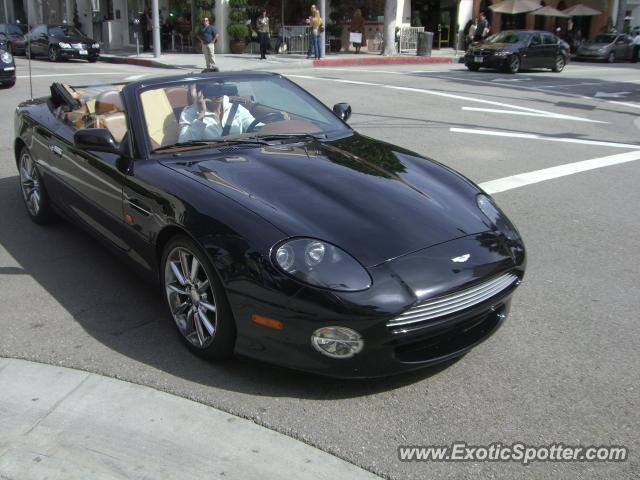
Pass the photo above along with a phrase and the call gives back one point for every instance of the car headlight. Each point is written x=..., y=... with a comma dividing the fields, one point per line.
x=64, y=45
x=337, y=342
x=602, y=50
x=6, y=57
x=497, y=217
x=320, y=264
x=502, y=53
x=95, y=45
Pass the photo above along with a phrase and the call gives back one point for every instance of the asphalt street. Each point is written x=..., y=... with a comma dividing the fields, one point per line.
x=563, y=369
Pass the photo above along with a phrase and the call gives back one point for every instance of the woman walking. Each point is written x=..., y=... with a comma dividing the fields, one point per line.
x=357, y=26
x=317, y=27
x=263, y=34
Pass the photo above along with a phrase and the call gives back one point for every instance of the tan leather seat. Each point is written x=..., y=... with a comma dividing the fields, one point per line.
x=116, y=123
x=109, y=102
x=162, y=125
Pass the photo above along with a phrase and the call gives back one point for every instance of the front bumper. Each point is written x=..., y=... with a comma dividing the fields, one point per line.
x=398, y=286
x=581, y=55
x=488, y=61
x=7, y=73
x=75, y=53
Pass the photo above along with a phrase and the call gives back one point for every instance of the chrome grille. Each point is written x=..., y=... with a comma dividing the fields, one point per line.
x=454, y=302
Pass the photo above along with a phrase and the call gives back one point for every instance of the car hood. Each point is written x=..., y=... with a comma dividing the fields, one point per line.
x=372, y=199
x=74, y=39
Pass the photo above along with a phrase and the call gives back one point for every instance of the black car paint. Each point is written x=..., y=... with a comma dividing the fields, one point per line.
x=230, y=202
x=39, y=42
x=530, y=53
x=7, y=70
x=16, y=39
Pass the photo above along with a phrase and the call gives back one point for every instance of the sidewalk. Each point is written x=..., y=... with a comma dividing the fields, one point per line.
x=61, y=423
x=230, y=62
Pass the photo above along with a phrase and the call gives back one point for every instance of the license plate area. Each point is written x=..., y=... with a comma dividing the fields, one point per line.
x=478, y=59
x=83, y=52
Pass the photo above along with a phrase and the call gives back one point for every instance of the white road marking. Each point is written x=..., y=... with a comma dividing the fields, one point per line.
x=87, y=74
x=570, y=85
x=611, y=95
x=449, y=95
x=533, y=136
x=556, y=116
x=536, y=176
x=627, y=104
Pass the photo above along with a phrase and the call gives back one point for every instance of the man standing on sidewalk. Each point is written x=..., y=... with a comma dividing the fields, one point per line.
x=636, y=48
x=209, y=37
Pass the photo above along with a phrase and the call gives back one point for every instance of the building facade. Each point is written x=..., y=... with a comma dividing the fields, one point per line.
x=114, y=22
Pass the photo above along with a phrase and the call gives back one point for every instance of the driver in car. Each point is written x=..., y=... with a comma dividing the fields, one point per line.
x=212, y=115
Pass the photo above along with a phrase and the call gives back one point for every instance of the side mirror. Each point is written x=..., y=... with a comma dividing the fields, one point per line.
x=97, y=140
x=342, y=111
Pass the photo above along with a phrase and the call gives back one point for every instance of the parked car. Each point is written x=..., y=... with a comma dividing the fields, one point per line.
x=7, y=64
x=16, y=33
x=283, y=235
x=606, y=46
x=62, y=41
x=515, y=50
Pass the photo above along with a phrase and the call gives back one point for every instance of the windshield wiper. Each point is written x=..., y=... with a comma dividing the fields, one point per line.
x=211, y=143
x=285, y=136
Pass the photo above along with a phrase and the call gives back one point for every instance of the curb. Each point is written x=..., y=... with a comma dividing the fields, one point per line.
x=380, y=61
x=142, y=62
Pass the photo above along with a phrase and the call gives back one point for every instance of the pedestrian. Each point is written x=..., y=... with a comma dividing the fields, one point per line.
x=263, y=34
x=357, y=26
x=317, y=27
x=482, y=28
x=145, y=28
x=308, y=21
x=468, y=31
x=636, y=48
x=209, y=37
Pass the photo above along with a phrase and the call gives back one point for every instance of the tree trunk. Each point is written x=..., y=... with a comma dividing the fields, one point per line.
x=622, y=7
x=390, y=10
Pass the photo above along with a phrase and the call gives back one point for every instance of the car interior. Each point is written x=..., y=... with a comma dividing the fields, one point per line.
x=82, y=107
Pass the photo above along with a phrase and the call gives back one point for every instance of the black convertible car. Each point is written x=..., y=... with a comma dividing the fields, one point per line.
x=516, y=50
x=274, y=229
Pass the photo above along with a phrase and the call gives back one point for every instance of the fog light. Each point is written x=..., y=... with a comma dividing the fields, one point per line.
x=337, y=342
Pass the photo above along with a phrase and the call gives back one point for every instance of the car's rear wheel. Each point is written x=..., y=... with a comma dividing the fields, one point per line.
x=473, y=68
x=513, y=64
x=559, y=64
x=611, y=58
x=34, y=194
x=53, y=54
x=196, y=300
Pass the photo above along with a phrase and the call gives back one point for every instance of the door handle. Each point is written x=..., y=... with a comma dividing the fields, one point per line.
x=56, y=150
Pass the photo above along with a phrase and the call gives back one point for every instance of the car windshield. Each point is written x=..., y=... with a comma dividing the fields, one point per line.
x=604, y=39
x=507, y=37
x=64, y=31
x=16, y=29
x=198, y=112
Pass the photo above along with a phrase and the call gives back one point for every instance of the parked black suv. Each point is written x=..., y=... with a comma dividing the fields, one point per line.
x=62, y=41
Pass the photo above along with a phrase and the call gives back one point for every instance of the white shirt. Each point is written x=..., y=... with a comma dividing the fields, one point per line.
x=209, y=128
x=636, y=39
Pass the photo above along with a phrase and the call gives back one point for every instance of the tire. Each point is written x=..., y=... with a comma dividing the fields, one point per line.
x=34, y=195
x=53, y=54
x=199, y=309
x=92, y=59
x=473, y=68
x=9, y=84
x=559, y=64
x=611, y=58
x=513, y=65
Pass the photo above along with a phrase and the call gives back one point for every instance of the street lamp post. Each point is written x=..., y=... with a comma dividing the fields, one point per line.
x=156, y=28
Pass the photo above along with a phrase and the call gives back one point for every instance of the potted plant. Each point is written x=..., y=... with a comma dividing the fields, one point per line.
x=237, y=28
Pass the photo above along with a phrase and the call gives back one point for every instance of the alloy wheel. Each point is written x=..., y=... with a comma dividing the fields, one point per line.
x=53, y=55
x=190, y=297
x=30, y=184
x=611, y=58
x=559, y=65
x=514, y=64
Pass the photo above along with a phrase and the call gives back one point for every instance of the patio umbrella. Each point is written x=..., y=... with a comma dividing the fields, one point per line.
x=580, y=10
x=513, y=7
x=550, y=12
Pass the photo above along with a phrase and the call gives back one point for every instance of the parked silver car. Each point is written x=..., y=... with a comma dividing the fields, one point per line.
x=607, y=46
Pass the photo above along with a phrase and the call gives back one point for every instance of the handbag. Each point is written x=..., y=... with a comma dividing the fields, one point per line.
x=355, y=37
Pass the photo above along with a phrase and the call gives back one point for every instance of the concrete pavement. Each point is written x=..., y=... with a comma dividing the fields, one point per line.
x=57, y=422
x=252, y=61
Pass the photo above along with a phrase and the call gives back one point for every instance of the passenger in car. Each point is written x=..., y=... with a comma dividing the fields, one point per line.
x=212, y=115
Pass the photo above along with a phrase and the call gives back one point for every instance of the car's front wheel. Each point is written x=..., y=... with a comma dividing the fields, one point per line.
x=54, y=56
x=513, y=64
x=559, y=64
x=92, y=59
x=611, y=58
x=34, y=194
x=196, y=300
x=472, y=67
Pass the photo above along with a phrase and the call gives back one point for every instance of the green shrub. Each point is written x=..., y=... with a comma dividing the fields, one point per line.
x=238, y=31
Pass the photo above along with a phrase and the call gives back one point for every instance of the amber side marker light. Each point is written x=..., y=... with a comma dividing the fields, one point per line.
x=267, y=322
